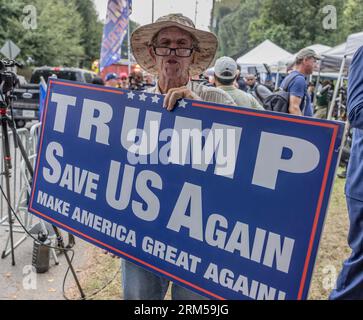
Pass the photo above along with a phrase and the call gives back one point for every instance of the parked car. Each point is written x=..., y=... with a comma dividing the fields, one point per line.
x=26, y=103
x=73, y=74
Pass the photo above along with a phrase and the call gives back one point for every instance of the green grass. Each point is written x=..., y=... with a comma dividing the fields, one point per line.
x=102, y=269
x=333, y=245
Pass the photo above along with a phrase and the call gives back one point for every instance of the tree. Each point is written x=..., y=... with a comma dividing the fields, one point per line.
x=353, y=17
x=10, y=15
x=92, y=29
x=294, y=24
x=57, y=39
x=233, y=28
x=221, y=9
x=290, y=24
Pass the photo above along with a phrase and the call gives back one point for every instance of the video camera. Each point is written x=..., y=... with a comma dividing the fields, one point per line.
x=8, y=79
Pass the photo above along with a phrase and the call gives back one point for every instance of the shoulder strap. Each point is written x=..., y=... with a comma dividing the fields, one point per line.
x=289, y=81
x=257, y=94
x=286, y=86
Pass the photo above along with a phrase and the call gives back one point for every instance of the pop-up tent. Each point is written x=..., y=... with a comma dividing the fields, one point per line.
x=354, y=42
x=266, y=53
x=319, y=48
x=332, y=59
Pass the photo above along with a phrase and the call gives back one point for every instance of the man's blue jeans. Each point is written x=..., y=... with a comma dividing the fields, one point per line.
x=350, y=280
x=140, y=284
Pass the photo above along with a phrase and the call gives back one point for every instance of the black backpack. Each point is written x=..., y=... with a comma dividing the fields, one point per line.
x=259, y=96
x=279, y=101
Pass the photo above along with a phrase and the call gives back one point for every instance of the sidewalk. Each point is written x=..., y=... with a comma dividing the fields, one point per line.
x=17, y=282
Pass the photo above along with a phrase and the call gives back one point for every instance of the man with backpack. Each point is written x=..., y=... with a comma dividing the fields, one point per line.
x=293, y=97
x=299, y=100
x=258, y=90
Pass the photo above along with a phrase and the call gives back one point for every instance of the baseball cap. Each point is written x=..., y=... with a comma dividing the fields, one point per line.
x=225, y=68
x=307, y=53
x=111, y=76
x=124, y=75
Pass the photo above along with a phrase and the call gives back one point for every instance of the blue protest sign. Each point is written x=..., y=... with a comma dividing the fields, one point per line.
x=229, y=202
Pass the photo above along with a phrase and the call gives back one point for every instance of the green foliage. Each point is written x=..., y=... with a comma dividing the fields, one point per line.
x=68, y=32
x=353, y=16
x=91, y=36
x=232, y=32
x=56, y=41
x=290, y=24
x=221, y=9
x=10, y=14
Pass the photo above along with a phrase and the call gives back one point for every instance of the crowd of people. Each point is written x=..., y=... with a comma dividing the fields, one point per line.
x=136, y=80
x=307, y=98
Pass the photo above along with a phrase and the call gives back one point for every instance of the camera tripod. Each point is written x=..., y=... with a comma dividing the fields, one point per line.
x=8, y=122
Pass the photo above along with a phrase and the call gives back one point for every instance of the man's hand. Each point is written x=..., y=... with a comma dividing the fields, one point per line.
x=178, y=93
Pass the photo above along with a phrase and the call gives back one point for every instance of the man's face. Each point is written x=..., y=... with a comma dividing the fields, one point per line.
x=112, y=83
x=124, y=82
x=172, y=66
x=250, y=80
x=309, y=65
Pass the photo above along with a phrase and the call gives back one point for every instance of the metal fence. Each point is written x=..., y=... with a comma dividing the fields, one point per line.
x=19, y=184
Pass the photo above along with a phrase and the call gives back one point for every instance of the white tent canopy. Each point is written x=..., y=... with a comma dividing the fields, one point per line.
x=338, y=50
x=332, y=59
x=354, y=42
x=319, y=48
x=265, y=53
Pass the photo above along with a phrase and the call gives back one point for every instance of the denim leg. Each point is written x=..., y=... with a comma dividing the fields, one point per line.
x=350, y=279
x=181, y=293
x=141, y=284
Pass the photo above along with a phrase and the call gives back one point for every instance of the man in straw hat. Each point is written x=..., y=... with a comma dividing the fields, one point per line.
x=173, y=50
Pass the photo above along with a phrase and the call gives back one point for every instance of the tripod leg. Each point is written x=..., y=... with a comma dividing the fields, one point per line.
x=7, y=167
x=25, y=220
x=56, y=230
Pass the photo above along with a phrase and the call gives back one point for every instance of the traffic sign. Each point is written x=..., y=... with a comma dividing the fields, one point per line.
x=10, y=50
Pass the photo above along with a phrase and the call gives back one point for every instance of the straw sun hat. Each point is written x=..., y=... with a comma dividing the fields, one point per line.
x=204, y=53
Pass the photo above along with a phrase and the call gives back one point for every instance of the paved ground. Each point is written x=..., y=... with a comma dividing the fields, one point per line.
x=18, y=282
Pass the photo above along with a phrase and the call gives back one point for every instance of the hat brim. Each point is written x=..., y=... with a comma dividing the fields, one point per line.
x=204, y=57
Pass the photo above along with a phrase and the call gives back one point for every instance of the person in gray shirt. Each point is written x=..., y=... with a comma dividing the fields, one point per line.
x=225, y=73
